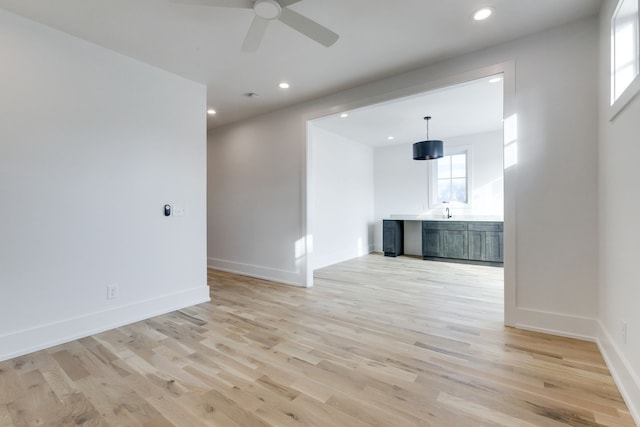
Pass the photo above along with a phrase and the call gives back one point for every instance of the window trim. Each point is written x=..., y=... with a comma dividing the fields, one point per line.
x=433, y=180
x=631, y=91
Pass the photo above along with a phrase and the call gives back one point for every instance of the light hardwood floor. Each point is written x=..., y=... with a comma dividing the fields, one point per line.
x=378, y=341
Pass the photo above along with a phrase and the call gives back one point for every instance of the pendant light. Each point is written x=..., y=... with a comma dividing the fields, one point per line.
x=429, y=149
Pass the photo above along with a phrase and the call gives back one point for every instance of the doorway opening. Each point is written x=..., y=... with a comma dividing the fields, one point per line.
x=360, y=170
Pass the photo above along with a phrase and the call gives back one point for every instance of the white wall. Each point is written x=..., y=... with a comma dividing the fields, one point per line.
x=92, y=145
x=556, y=173
x=341, y=182
x=255, y=194
x=619, y=209
x=556, y=208
x=402, y=184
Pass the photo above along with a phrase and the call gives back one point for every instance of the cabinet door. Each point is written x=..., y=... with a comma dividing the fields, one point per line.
x=431, y=242
x=392, y=238
x=477, y=242
x=494, y=247
x=389, y=239
x=456, y=244
x=486, y=246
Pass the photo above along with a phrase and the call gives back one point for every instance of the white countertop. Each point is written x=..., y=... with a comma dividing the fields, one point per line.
x=488, y=218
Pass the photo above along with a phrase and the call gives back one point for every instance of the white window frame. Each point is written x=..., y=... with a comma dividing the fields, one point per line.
x=433, y=180
x=617, y=104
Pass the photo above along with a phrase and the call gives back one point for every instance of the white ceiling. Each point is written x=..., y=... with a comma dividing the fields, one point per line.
x=464, y=109
x=377, y=39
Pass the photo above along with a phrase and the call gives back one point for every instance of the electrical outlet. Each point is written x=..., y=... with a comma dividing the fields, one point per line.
x=112, y=291
x=623, y=331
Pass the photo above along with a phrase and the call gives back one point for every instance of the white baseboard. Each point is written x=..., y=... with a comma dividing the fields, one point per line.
x=582, y=328
x=626, y=378
x=293, y=278
x=26, y=341
x=593, y=330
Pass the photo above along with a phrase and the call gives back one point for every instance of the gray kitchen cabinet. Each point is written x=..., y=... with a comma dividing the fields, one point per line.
x=480, y=241
x=393, y=237
x=432, y=245
x=486, y=241
x=473, y=242
x=445, y=239
x=494, y=247
x=456, y=244
x=477, y=244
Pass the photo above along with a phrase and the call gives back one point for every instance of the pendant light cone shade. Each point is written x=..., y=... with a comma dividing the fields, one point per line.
x=429, y=149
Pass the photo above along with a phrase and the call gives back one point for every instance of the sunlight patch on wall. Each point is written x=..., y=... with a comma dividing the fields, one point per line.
x=511, y=141
x=300, y=247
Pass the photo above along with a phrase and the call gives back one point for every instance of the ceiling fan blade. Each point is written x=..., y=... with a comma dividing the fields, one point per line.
x=239, y=4
x=285, y=3
x=255, y=34
x=309, y=28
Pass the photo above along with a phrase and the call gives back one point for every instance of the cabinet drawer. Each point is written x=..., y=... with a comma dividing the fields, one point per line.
x=486, y=226
x=444, y=225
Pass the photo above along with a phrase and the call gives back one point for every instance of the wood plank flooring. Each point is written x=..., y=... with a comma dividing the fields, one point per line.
x=378, y=341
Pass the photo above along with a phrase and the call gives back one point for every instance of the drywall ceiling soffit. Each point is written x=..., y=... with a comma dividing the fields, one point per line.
x=377, y=39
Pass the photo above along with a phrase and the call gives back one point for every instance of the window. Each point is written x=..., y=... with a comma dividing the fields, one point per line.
x=624, y=47
x=450, y=179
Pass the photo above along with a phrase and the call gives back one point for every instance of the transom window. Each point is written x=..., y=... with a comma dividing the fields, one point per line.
x=451, y=179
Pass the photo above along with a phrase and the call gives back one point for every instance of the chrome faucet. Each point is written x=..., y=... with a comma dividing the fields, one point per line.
x=448, y=213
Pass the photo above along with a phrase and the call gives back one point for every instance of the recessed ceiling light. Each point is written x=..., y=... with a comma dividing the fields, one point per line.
x=211, y=111
x=390, y=138
x=495, y=80
x=482, y=14
x=343, y=115
x=284, y=85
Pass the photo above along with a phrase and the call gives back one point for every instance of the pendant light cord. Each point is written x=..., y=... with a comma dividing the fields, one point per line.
x=427, y=119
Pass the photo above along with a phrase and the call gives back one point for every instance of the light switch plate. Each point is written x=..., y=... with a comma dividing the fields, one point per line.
x=179, y=210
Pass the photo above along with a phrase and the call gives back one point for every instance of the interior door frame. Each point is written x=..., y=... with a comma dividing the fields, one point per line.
x=507, y=70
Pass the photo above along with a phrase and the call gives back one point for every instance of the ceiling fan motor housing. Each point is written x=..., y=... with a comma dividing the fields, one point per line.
x=267, y=9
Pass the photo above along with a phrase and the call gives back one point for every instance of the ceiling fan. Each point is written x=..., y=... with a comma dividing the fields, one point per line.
x=268, y=10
